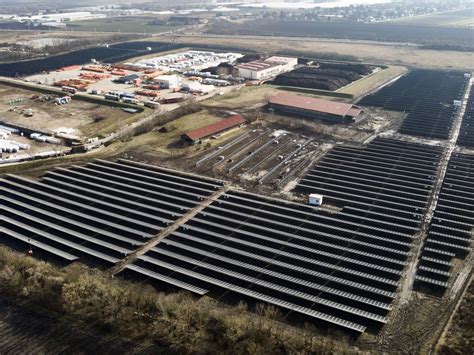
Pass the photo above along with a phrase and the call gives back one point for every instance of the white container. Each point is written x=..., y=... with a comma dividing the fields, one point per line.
x=315, y=199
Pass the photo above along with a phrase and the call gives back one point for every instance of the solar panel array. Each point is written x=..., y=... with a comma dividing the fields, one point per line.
x=337, y=267
x=98, y=213
x=452, y=224
x=427, y=96
x=386, y=176
x=466, y=134
x=341, y=267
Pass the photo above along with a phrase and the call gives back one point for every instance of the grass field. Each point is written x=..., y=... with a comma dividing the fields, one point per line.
x=392, y=54
x=250, y=97
x=244, y=98
x=166, y=143
x=460, y=18
x=372, y=81
x=132, y=24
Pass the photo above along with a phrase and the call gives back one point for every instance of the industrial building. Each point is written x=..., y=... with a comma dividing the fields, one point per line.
x=127, y=79
x=268, y=68
x=168, y=81
x=212, y=129
x=309, y=107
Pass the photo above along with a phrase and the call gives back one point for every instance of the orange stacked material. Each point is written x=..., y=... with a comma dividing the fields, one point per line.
x=195, y=78
x=94, y=68
x=61, y=83
x=126, y=67
x=150, y=74
x=118, y=72
x=147, y=93
x=78, y=84
x=152, y=87
x=70, y=67
x=95, y=77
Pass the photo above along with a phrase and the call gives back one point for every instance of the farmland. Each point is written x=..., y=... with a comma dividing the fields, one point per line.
x=395, y=54
x=125, y=24
x=460, y=18
x=382, y=32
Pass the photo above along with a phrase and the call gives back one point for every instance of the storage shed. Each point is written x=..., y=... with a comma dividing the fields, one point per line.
x=212, y=129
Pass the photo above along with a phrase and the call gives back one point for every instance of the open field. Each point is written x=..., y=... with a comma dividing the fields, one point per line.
x=389, y=54
x=383, y=32
x=459, y=338
x=459, y=18
x=127, y=24
x=165, y=140
x=87, y=119
x=249, y=98
x=244, y=98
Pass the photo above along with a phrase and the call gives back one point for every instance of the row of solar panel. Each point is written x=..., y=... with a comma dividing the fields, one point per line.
x=99, y=212
x=452, y=224
x=466, y=134
x=416, y=87
x=434, y=123
x=387, y=175
x=342, y=265
x=341, y=268
x=428, y=98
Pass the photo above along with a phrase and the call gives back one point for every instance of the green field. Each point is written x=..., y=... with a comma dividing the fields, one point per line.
x=461, y=19
x=372, y=81
x=129, y=24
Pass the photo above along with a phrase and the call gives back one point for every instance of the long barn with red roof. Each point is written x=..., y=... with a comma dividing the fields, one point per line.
x=212, y=129
x=310, y=107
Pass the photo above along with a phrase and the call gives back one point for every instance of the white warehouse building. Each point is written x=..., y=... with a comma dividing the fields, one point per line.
x=168, y=81
x=268, y=68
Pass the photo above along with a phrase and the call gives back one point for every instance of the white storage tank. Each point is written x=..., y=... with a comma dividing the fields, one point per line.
x=315, y=199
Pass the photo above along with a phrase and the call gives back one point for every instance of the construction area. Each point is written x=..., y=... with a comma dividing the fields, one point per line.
x=351, y=212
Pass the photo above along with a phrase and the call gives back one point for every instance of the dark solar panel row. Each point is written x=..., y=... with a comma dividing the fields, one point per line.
x=338, y=267
x=98, y=213
x=428, y=98
x=451, y=228
x=389, y=177
x=466, y=134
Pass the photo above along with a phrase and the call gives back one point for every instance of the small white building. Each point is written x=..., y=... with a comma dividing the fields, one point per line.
x=168, y=81
x=315, y=199
x=259, y=70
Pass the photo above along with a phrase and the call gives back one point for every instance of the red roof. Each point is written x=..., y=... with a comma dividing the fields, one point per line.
x=215, y=128
x=313, y=104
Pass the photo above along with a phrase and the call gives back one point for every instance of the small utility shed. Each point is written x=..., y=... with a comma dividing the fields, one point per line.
x=310, y=107
x=127, y=79
x=214, y=128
